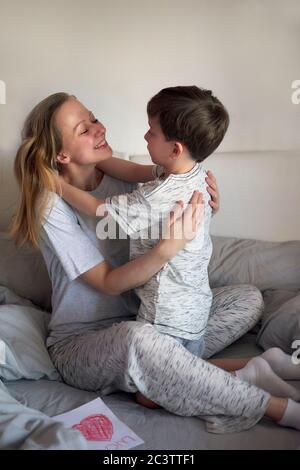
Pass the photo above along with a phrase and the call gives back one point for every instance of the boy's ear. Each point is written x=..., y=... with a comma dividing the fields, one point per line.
x=177, y=150
x=62, y=158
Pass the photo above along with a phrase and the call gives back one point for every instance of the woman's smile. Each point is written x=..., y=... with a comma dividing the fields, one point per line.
x=101, y=145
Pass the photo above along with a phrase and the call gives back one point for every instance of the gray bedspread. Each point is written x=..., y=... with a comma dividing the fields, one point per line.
x=158, y=428
x=31, y=390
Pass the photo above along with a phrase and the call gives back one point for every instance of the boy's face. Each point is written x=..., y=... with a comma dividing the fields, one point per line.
x=159, y=148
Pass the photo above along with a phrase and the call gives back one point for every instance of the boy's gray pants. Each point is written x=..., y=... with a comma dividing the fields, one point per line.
x=133, y=356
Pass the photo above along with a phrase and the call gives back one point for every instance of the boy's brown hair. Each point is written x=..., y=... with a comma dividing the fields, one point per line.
x=191, y=115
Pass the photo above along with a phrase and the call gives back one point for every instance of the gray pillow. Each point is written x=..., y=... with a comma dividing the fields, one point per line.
x=23, y=332
x=273, y=299
x=266, y=265
x=23, y=270
x=281, y=325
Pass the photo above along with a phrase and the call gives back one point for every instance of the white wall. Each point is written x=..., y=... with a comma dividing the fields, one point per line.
x=114, y=55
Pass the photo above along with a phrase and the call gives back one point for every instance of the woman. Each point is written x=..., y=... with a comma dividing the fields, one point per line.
x=93, y=341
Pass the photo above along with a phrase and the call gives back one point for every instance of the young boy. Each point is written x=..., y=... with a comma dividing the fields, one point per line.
x=186, y=125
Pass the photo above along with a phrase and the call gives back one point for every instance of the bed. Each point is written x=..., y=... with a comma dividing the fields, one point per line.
x=256, y=239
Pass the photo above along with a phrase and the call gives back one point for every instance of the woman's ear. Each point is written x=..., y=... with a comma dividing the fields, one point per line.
x=177, y=150
x=62, y=158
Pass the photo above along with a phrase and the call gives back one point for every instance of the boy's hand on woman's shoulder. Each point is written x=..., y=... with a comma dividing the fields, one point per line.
x=212, y=189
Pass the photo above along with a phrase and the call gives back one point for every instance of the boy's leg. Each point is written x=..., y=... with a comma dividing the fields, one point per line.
x=144, y=401
x=235, y=310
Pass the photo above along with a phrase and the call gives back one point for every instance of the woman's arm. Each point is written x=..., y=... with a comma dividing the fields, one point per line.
x=126, y=171
x=81, y=200
x=182, y=227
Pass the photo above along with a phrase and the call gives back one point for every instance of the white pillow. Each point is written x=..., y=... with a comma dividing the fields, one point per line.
x=23, y=332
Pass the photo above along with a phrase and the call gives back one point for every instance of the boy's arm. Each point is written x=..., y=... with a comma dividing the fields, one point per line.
x=126, y=171
x=81, y=200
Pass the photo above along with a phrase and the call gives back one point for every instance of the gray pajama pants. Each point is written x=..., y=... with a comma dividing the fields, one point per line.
x=133, y=356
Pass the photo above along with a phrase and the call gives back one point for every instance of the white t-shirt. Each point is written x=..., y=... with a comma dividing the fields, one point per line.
x=70, y=247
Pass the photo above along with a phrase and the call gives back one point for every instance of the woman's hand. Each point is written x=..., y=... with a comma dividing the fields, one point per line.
x=212, y=189
x=182, y=224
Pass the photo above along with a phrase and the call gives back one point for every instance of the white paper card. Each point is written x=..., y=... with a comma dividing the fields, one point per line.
x=100, y=427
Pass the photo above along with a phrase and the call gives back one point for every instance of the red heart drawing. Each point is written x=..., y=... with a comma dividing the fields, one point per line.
x=95, y=428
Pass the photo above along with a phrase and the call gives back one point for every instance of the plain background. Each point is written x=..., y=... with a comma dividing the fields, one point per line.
x=114, y=55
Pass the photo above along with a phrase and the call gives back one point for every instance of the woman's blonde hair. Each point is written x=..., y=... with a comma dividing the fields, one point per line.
x=36, y=168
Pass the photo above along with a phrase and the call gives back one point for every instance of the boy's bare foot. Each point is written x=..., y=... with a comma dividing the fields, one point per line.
x=142, y=400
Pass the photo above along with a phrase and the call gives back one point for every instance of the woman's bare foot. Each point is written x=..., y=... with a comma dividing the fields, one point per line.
x=142, y=400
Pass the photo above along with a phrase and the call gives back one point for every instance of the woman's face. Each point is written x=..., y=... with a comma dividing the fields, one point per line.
x=82, y=134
